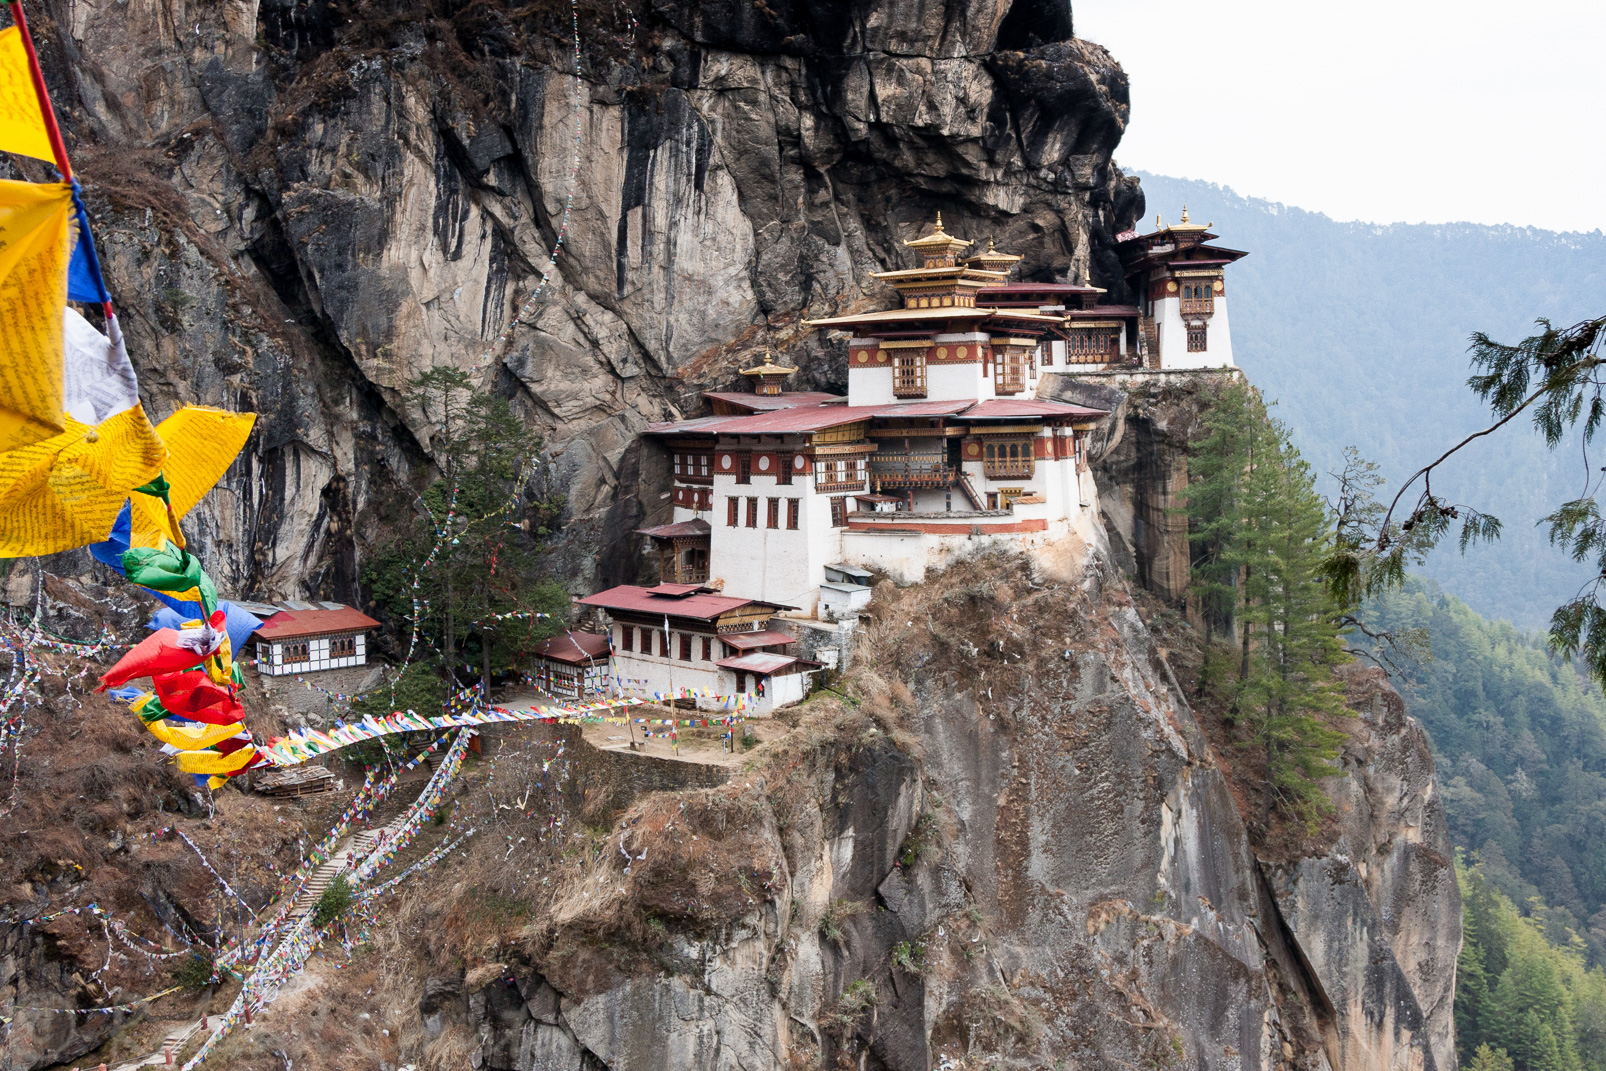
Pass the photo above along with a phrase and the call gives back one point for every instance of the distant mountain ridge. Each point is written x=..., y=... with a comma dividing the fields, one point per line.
x=1359, y=332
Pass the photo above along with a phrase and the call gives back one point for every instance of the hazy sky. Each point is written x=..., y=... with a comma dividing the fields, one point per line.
x=1385, y=110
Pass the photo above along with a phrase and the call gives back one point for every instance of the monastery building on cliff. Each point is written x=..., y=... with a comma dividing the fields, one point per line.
x=785, y=502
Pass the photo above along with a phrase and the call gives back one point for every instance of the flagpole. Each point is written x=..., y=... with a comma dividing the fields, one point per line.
x=57, y=145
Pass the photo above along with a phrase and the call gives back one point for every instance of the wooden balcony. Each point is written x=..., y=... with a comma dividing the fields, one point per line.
x=911, y=468
x=1006, y=468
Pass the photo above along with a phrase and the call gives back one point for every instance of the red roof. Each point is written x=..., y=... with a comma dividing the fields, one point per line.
x=758, y=662
x=763, y=403
x=694, y=527
x=1003, y=408
x=1104, y=312
x=768, y=638
x=293, y=624
x=1045, y=288
x=804, y=419
x=648, y=600
x=575, y=647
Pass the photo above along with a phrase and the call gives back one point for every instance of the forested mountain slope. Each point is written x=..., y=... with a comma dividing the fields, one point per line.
x=1520, y=742
x=1359, y=333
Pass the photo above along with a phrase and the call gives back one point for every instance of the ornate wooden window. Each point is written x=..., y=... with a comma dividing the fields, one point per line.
x=297, y=652
x=783, y=471
x=708, y=649
x=909, y=373
x=744, y=468
x=1198, y=340
x=752, y=513
x=1005, y=458
x=1091, y=345
x=1198, y=297
x=685, y=647
x=342, y=647
x=694, y=468
x=839, y=513
x=627, y=637
x=791, y=513
x=773, y=517
x=694, y=565
x=1009, y=369
x=839, y=474
x=733, y=510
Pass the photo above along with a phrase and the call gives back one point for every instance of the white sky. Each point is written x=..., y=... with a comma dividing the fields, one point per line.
x=1385, y=110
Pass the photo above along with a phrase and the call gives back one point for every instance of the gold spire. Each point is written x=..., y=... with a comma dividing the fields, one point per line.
x=1184, y=213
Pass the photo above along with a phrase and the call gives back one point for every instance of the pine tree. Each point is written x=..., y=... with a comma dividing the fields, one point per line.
x=1487, y=1059
x=481, y=592
x=1261, y=537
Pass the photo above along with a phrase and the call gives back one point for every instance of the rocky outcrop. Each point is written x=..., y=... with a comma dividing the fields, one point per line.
x=1378, y=917
x=1017, y=850
x=304, y=205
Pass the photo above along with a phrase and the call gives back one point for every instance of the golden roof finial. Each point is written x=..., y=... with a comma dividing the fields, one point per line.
x=1184, y=213
x=939, y=221
x=1159, y=222
x=990, y=246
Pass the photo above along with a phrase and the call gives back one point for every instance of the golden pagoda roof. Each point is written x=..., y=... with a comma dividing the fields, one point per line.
x=1159, y=223
x=991, y=255
x=938, y=239
x=768, y=368
x=981, y=312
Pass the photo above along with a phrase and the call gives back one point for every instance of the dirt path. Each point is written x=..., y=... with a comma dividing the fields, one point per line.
x=704, y=747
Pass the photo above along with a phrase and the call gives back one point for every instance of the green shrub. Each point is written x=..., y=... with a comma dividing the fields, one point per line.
x=334, y=902
x=196, y=970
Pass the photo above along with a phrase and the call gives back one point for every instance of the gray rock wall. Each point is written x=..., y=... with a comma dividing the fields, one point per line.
x=302, y=205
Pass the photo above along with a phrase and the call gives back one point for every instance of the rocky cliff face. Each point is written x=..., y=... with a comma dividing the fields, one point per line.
x=1014, y=849
x=305, y=203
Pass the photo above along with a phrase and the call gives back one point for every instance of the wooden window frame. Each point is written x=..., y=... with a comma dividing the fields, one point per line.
x=663, y=643
x=744, y=468
x=733, y=511
x=1008, y=458
x=752, y=513
x=1198, y=338
x=708, y=649
x=839, y=512
x=343, y=646
x=772, y=514
x=909, y=373
x=783, y=470
x=627, y=637
x=793, y=507
x=685, y=647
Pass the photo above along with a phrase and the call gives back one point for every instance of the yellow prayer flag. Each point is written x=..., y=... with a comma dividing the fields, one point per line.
x=202, y=443
x=33, y=299
x=66, y=491
x=22, y=122
x=192, y=737
x=210, y=762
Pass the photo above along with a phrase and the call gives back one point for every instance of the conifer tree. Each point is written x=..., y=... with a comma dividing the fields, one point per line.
x=1261, y=537
x=480, y=593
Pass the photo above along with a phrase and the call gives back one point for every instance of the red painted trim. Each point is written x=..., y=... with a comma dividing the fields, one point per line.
x=942, y=528
x=57, y=145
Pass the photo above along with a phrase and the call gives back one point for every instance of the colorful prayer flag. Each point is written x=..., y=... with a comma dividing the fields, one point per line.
x=33, y=295
x=22, y=123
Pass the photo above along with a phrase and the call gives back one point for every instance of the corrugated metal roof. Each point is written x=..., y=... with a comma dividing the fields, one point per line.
x=642, y=600
x=694, y=527
x=1001, y=408
x=768, y=638
x=763, y=403
x=804, y=419
x=575, y=648
x=757, y=662
x=293, y=624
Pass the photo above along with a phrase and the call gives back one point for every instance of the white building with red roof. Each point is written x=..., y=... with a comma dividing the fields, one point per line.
x=306, y=637
x=574, y=665
x=940, y=443
x=687, y=641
